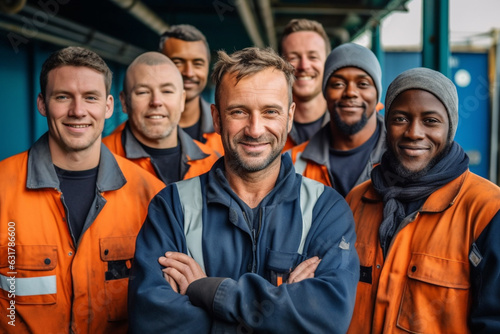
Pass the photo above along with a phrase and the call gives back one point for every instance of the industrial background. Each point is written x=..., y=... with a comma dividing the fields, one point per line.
x=119, y=30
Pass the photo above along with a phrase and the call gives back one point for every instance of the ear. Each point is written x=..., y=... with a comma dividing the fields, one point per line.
x=109, y=106
x=123, y=101
x=40, y=103
x=215, y=118
x=183, y=101
x=291, y=113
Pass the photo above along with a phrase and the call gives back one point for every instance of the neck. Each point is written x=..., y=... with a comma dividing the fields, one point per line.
x=191, y=113
x=165, y=142
x=75, y=160
x=344, y=142
x=309, y=111
x=251, y=188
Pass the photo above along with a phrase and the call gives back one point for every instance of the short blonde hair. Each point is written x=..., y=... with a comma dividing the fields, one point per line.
x=247, y=62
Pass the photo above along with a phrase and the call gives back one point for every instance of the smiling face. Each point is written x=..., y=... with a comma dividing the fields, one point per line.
x=76, y=106
x=417, y=131
x=191, y=58
x=154, y=102
x=351, y=98
x=306, y=51
x=253, y=118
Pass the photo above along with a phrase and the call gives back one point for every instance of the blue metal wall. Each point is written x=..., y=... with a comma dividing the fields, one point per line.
x=19, y=86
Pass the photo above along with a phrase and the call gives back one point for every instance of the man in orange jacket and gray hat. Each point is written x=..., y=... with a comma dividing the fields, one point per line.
x=427, y=228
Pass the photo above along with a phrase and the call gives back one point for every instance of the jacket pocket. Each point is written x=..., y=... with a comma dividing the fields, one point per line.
x=279, y=265
x=117, y=253
x=435, y=296
x=28, y=274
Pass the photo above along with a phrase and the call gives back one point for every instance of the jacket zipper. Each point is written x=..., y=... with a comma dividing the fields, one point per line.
x=255, y=235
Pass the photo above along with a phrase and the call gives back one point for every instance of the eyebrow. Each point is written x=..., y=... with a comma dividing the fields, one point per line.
x=142, y=85
x=89, y=92
x=242, y=106
x=184, y=59
x=359, y=76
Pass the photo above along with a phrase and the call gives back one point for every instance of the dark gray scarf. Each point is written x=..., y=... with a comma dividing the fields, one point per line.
x=396, y=190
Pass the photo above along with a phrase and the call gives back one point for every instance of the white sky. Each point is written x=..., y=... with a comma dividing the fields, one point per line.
x=470, y=20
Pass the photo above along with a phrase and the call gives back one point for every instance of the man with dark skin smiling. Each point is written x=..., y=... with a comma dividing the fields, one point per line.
x=188, y=48
x=427, y=227
x=344, y=151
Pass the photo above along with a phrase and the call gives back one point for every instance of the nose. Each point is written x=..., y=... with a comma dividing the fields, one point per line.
x=156, y=99
x=351, y=89
x=188, y=70
x=414, y=131
x=77, y=108
x=304, y=63
x=255, y=127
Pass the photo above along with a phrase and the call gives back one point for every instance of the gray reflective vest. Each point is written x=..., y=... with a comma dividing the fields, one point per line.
x=192, y=205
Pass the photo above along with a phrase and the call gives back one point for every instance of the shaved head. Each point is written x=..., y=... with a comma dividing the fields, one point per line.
x=150, y=59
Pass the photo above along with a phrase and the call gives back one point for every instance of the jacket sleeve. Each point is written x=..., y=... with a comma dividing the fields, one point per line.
x=485, y=288
x=322, y=304
x=153, y=306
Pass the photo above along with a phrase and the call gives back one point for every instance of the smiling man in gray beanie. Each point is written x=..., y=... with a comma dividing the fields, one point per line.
x=427, y=228
x=343, y=152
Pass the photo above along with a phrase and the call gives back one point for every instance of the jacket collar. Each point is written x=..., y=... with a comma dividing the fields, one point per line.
x=293, y=132
x=134, y=150
x=42, y=174
x=219, y=191
x=317, y=150
x=438, y=201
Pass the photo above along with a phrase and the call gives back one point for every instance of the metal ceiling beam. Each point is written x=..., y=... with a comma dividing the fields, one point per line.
x=268, y=19
x=377, y=16
x=310, y=10
x=141, y=12
x=250, y=22
x=59, y=31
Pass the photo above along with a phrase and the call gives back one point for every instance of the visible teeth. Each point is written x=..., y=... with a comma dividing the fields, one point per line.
x=156, y=117
x=304, y=78
x=79, y=126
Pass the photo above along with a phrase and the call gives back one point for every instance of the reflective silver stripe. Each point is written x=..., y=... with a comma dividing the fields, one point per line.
x=190, y=193
x=29, y=286
x=300, y=164
x=191, y=202
x=310, y=191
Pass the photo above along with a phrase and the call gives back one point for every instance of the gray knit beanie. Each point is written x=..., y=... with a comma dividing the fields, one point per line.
x=353, y=55
x=431, y=81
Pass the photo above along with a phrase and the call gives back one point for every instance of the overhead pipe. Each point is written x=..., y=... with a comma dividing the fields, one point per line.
x=250, y=22
x=143, y=14
x=267, y=17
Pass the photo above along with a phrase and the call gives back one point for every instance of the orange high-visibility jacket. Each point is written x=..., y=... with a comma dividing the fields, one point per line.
x=312, y=158
x=49, y=282
x=197, y=158
x=423, y=285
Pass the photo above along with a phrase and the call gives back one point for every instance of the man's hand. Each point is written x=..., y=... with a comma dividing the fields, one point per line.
x=180, y=270
x=304, y=270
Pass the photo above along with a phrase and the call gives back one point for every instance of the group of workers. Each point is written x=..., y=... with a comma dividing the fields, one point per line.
x=291, y=204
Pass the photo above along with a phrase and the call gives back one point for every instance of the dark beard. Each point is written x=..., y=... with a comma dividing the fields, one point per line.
x=396, y=166
x=347, y=129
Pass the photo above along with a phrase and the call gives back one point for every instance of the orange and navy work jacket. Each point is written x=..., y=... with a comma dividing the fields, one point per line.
x=51, y=283
x=424, y=284
x=197, y=158
x=312, y=158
